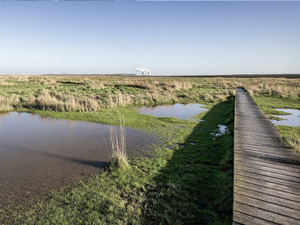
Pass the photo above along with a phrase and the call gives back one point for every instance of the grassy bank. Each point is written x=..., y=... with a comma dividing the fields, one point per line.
x=190, y=183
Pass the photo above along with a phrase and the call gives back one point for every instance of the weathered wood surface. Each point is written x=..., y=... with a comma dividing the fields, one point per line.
x=266, y=173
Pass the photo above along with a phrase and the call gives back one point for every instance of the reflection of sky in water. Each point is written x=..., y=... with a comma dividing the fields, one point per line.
x=288, y=120
x=48, y=134
x=38, y=150
x=180, y=111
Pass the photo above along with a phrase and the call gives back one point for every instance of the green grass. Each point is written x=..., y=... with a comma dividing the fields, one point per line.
x=191, y=184
x=268, y=104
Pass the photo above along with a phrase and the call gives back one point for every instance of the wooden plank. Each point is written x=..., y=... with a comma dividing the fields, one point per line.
x=266, y=184
x=235, y=223
x=286, y=164
x=263, y=152
x=264, y=171
x=271, y=146
x=242, y=218
x=267, y=168
x=268, y=179
x=266, y=197
x=268, y=190
x=271, y=164
x=264, y=214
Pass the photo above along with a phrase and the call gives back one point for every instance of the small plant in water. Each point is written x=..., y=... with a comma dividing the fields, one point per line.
x=118, y=146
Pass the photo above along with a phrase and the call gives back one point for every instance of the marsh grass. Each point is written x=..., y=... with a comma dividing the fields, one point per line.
x=95, y=93
x=118, y=146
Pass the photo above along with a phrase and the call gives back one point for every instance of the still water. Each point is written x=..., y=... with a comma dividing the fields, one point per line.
x=288, y=120
x=37, y=153
x=180, y=111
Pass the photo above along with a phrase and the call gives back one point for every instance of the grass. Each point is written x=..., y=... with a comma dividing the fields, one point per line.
x=187, y=184
x=188, y=178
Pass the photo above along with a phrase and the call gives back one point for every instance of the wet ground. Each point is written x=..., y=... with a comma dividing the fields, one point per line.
x=288, y=120
x=180, y=111
x=39, y=154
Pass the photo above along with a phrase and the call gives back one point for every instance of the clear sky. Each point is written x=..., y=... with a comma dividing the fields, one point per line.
x=173, y=38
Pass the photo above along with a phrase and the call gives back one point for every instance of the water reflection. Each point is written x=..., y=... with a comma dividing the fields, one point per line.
x=180, y=111
x=288, y=120
x=37, y=150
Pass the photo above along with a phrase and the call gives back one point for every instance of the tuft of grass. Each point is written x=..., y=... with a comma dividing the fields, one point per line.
x=118, y=145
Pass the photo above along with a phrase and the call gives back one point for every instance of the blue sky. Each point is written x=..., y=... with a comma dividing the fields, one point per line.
x=174, y=38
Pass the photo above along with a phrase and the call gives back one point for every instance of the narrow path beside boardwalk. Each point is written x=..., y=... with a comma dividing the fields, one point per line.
x=266, y=173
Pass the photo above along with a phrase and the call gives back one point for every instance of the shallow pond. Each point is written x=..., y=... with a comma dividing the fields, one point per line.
x=288, y=120
x=38, y=153
x=180, y=111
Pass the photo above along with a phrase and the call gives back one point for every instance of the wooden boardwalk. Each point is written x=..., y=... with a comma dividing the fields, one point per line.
x=266, y=173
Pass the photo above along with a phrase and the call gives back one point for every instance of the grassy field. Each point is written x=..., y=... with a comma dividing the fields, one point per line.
x=187, y=180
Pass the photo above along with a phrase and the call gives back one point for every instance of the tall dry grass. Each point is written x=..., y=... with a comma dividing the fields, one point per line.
x=118, y=146
x=81, y=93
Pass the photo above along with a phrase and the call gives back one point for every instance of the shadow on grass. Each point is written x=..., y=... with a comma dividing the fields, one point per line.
x=196, y=185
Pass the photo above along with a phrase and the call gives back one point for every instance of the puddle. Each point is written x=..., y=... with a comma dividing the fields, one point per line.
x=180, y=111
x=36, y=152
x=222, y=129
x=288, y=120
